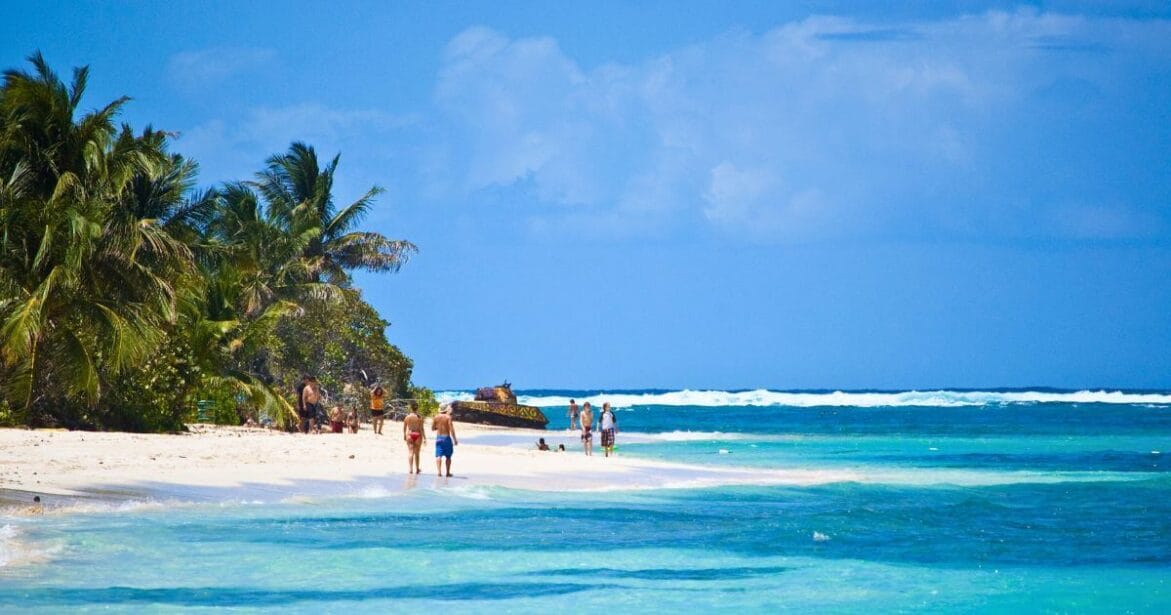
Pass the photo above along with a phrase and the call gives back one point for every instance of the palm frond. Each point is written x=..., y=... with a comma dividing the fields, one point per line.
x=74, y=368
x=353, y=214
x=370, y=251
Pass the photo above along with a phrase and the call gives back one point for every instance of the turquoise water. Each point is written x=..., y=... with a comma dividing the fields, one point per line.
x=999, y=507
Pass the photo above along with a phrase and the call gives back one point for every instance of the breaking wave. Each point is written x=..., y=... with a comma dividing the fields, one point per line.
x=801, y=399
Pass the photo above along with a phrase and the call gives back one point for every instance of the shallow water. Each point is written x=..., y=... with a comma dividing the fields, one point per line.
x=1002, y=508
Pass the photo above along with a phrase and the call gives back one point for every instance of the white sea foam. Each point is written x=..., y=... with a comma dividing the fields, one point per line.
x=103, y=506
x=763, y=397
x=989, y=478
x=8, y=544
x=16, y=551
x=692, y=436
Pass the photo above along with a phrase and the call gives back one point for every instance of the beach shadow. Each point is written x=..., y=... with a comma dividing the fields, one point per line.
x=252, y=598
x=669, y=574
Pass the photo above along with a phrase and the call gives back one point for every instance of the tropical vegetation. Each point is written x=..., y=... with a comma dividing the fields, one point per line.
x=128, y=295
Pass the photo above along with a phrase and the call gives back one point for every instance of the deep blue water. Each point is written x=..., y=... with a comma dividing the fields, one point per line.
x=996, y=507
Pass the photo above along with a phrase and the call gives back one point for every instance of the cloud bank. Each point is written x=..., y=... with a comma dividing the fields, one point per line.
x=195, y=70
x=1010, y=124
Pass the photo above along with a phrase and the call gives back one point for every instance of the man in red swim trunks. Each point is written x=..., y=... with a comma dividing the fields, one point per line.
x=414, y=436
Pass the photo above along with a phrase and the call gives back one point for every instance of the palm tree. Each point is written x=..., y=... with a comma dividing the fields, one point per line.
x=276, y=246
x=86, y=281
x=299, y=196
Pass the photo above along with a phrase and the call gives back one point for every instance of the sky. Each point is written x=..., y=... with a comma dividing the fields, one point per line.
x=726, y=195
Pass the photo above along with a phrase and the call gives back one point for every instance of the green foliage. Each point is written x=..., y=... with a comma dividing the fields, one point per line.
x=9, y=417
x=86, y=285
x=156, y=395
x=341, y=342
x=425, y=397
x=126, y=295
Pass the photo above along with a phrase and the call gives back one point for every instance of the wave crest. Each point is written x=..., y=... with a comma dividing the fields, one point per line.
x=764, y=397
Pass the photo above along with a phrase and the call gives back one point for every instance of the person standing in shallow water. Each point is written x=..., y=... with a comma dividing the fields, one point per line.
x=587, y=429
x=445, y=439
x=377, y=408
x=608, y=424
x=414, y=436
x=572, y=414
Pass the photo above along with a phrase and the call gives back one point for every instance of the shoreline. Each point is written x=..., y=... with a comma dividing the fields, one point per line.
x=222, y=463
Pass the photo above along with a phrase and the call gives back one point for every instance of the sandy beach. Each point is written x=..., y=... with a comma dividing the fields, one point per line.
x=234, y=463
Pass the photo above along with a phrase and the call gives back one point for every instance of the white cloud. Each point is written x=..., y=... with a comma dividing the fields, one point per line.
x=195, y=70
x=1100, y=221
x=232, y=149
x=737, y=195
x=818, y=127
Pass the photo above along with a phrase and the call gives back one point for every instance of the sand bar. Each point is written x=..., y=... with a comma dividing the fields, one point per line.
x=215, y=462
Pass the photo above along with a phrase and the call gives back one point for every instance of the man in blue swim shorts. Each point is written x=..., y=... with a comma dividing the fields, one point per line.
x=445, y=439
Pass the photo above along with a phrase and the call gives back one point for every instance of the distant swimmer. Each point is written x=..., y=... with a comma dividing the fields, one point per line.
x=37, y=508
x=414, y=436
x=572, y=414
x=445, y=440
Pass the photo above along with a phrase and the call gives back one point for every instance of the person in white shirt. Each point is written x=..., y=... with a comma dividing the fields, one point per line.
x=608, y=423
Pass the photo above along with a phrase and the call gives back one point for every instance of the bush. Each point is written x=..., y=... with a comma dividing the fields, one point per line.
x=425, y=397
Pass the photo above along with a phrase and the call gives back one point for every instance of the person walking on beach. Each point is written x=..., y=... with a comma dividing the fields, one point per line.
x=414, y=436
x=377, y=408
x=572, y=415
x=587, y=429
x=608, y=424
x=445, y=439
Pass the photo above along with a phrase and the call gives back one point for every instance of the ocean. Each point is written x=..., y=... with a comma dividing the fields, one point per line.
x=961, y=501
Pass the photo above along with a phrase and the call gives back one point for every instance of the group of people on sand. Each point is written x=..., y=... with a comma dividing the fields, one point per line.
x=583, y=419
x=309, y=398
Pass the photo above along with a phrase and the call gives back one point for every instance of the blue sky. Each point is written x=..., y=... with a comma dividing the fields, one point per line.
x=687, y=194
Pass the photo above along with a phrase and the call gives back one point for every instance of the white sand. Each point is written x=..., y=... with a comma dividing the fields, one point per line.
x=229, y=462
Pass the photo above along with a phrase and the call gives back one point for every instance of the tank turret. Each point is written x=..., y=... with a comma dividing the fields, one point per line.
x=500, y=392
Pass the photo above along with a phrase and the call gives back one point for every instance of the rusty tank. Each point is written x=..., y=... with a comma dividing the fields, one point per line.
x=497, y=406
